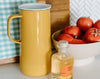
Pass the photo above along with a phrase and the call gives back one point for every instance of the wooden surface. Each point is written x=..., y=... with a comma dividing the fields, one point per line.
x=59, y=13
x=59, y=20
x=41, y=1
x=58, y=5
x=9, y=60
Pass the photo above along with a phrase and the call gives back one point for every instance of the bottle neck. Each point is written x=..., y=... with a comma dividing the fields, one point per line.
x=63, y=52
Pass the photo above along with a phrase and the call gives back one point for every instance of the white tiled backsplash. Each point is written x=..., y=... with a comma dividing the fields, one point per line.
x=87, y=8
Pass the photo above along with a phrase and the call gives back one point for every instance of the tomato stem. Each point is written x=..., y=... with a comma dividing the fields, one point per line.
x=96, y=32
x=75, y=36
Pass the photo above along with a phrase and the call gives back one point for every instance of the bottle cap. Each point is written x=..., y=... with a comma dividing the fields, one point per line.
x=62, y=44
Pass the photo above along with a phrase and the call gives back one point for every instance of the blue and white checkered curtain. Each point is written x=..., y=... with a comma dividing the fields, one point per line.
x=7, y=8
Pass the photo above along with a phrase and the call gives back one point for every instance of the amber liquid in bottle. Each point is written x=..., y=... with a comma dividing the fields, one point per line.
x=62, y=63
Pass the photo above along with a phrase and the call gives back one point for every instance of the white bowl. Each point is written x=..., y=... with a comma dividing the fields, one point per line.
x=80, y=52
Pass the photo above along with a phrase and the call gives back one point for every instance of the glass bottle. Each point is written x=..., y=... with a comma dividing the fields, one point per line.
x=62, y=62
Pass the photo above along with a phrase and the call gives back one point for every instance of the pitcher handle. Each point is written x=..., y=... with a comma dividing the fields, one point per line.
x=8, y=27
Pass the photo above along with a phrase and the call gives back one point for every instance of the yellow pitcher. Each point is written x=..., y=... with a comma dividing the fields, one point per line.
x=35, y=38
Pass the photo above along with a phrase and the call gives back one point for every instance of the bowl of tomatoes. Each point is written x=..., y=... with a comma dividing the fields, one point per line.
x=83, y=39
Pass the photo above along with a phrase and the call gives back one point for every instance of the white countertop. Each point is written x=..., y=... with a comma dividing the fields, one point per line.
x=91, y=71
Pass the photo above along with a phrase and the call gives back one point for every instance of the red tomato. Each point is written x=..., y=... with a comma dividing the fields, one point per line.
x=84, y=23
x=73, y=30
x=97, y=24
x=65, y=37
x=92, y=35
x=77, y=41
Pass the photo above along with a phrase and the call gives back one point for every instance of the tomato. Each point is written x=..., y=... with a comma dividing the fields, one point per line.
x=97, y=24
x=77, y=41
x=72, y=30
x=84, y=23
x=92, y=35
x=65, y=37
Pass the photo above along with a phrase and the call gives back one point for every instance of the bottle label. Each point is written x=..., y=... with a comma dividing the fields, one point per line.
x=65, y=72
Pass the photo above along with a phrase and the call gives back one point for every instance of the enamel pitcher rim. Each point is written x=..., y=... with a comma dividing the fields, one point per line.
x=34, y=6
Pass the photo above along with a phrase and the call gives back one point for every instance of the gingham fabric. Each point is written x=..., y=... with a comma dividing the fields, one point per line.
x=7, y=8
x=88, y=8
